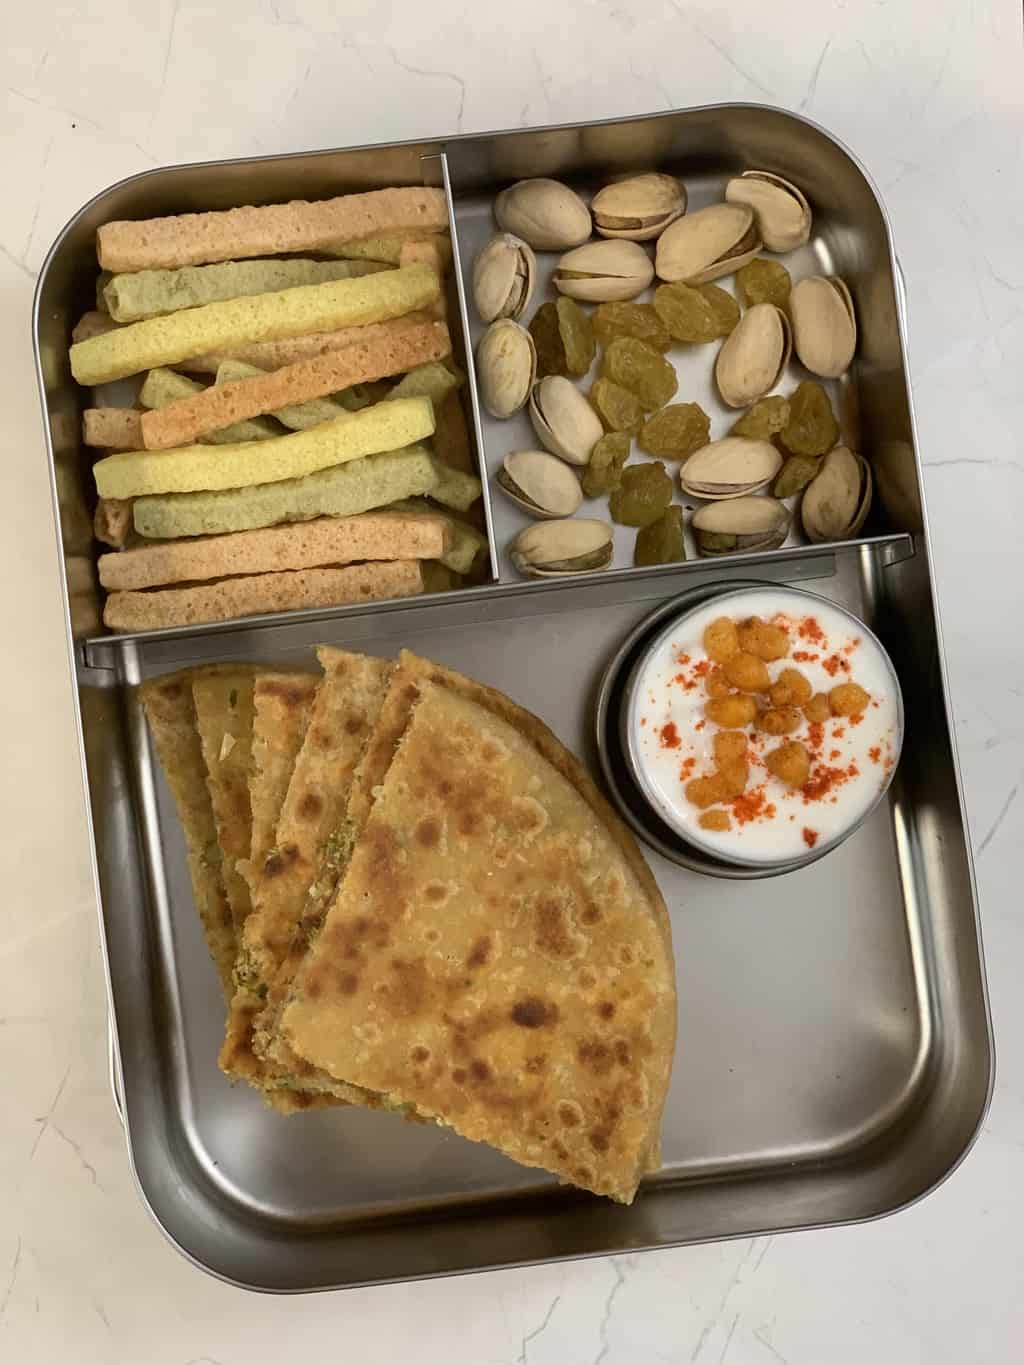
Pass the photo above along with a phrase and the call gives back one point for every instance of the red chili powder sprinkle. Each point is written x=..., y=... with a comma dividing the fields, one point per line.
x=856, y=720
x=643, y=721
x=833, y=664
x=852, y=645
x=809, y=629
x=875, y=753
x=687, y=768
x=838, y=732
x=702, y=669
x=669, y=736
x=751, y=806
x=682, y=658
x=816, y=735
x=803, y=656
x=853, y=771
x=810, y=837
x=820, y=785
x=835, y=753
x=700, y=725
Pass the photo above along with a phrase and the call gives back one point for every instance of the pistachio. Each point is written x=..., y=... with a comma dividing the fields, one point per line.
x=564, y=421
x=707, y=244
x=754, y=355
x=730, y=468
x=638, y=208
x=551, y=548
x=824, y=324
x=837, y=499
x=506, y=363
x=604, y=272
x=742, y=526
x=541, y=484
x=545, y=213
x=503, y=277
x=783, y=214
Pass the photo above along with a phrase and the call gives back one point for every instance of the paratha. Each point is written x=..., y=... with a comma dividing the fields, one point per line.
x=167, y=702
x=299, y=871
x=498, y=955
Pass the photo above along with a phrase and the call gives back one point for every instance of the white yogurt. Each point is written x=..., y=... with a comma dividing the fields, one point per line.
x=852, y=759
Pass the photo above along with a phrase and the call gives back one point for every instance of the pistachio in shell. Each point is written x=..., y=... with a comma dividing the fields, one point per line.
x=549, y=549
x=506, y=363
x=546, y=214
x=708, y=244
x=604, y=272
x=836, y=502
x=782, y=212
x=730, y=468
x=824, y=325
x=638, y=208
x=540, y=483
x=564, y=421
x=503, y=277
x=753, y=356
x=743, y=526
x=795, y=475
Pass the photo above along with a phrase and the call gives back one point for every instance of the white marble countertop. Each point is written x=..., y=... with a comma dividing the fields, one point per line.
x=931, y=96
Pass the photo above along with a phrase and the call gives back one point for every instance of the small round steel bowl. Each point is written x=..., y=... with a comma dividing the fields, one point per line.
x=632, y=792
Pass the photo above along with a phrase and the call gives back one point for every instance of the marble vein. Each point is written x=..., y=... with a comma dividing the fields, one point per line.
x=812, y=86
x=11, y=1279
x=45, y=1120
x=721, y=49
x=997, y=823
x=532, y=1336
x=609, y=1305
x=78, y=1152
x=446, y=75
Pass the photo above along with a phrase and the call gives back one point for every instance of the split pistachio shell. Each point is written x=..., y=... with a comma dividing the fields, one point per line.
x=604, y=272
x=564, y=421
x=541, y=484
x=544, y=213
x=506, y=362
x=837, y=499
x=782, y=213
x=503, y=277
x=754, y=355
x=742, y=526
x=824, y=324
x=552, y=548
x=638, y=208
x=705, y=245
x=730, y=468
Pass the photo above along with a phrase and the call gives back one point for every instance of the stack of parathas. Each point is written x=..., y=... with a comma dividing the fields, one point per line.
x=328, y=461
x=422, y=903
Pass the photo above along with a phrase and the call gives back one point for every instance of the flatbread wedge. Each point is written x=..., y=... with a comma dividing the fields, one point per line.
x=498, y=955
x=167, y=703
x=308, y=848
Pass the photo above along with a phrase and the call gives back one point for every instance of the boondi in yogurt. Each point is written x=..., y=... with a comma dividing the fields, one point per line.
x=766, y=724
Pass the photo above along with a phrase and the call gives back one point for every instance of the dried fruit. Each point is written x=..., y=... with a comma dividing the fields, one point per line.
x=812, y=428
x=604, y=472
x=790, y=763
x=758, y=637
x=764, y=420
x=724, y=308
x=763, y=281
x=547, y=338
x=675, y=432
x=642, y=496
x=721, y=640
x=640, y=369
x=661, y=541
x=611, y=320
x=848, y=699
x=618, y=409
x=747, y=672
x=686, y=313
x=795, y=475
x=577, y=336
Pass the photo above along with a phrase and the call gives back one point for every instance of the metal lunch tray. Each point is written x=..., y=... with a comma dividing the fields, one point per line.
x=835, y=1053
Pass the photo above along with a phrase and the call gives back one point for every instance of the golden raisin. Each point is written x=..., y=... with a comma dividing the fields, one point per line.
x=716, y=820
x=767, y=642
x=716, y=684
x=848, y=699
x=790, y=763
x=817, y=709
x=790, y=688
x=747, y=672
x=721, y=641
x=734, y=775
x=705, y=791
x=732, y=713
x=730, y=745
x=780, y=720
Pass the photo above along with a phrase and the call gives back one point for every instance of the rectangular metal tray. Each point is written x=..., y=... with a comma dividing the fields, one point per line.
x=835, y=1055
